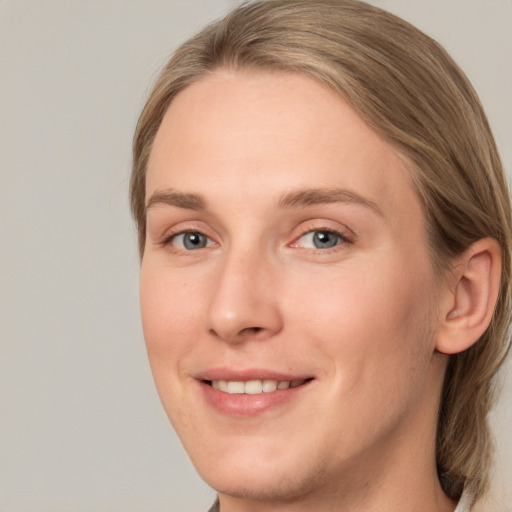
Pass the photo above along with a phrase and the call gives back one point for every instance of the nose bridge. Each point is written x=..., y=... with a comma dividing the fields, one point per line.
x=243, y=303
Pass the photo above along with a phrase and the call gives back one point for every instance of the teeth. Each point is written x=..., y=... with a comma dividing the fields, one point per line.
x=269, y=385
x=254, y=387
x=235, y=388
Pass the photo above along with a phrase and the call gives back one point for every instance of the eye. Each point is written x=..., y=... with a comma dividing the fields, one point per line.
x=320, y=239
x=190, y=241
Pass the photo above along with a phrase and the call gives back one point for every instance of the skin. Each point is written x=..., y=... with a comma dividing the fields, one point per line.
x=359, y=318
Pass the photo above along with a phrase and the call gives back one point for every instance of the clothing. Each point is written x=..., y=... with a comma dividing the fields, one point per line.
x=464, y=504
x=466, y=500
x=215, y=506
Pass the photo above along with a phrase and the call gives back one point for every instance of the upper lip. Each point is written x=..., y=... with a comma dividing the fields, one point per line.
x=244, y=375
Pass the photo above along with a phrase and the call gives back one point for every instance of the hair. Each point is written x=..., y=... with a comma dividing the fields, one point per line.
x=408, y=89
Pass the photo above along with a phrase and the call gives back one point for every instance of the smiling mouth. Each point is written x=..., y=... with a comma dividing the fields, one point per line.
x=254, y=387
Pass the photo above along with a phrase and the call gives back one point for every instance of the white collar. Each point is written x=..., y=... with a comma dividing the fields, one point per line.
x=466, y=500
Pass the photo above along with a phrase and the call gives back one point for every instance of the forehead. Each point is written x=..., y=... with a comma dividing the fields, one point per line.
x=231, y=132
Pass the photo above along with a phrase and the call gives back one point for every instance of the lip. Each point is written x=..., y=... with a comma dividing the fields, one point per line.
x=245, y=405
x=248, y=374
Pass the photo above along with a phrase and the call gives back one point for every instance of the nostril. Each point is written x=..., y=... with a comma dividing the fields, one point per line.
x=251, y=330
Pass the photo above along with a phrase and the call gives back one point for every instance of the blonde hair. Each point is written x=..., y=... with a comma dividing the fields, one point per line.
x=408, y=89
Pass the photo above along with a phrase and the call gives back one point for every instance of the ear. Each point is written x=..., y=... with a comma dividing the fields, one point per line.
x=467, y=304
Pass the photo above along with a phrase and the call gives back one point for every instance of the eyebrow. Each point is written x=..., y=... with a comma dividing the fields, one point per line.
x=294, y=199
x=310, y=197
x=179, y=199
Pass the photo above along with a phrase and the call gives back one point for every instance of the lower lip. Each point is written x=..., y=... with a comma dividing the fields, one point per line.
x=244, y=405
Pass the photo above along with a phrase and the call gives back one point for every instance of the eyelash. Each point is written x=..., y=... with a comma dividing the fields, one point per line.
x=170, y=238
x=343, y=239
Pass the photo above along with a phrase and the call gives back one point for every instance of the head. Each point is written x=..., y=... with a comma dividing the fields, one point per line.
x=408, y=91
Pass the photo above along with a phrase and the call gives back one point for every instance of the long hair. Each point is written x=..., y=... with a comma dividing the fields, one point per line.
x=407, y=88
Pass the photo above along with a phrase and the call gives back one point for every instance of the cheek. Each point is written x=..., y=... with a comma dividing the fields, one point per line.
x=172, y=314
x=368, y=319
x=171, y=311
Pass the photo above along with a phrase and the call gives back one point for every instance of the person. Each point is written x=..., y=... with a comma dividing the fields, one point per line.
x=325, y=238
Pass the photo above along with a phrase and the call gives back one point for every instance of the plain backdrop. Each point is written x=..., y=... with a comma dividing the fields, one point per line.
x=81, y=427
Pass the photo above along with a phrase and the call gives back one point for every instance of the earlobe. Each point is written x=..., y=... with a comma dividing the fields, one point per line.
x=469, y=304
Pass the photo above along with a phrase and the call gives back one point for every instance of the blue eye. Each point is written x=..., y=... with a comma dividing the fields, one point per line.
x=321, y=239
x=190, y=241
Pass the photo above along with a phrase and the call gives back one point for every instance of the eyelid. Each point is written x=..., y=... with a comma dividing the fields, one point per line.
x=208, y=241
x=169, y=232
x=346, y=236
x=170, y=237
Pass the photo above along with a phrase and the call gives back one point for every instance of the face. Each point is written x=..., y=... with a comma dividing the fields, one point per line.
x=286, y=289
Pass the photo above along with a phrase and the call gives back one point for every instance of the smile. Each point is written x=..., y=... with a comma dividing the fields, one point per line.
x=254, y=387
x=232, y=393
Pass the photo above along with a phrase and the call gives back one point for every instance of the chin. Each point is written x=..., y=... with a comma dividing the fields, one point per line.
x=264, y=486
x=257, y=478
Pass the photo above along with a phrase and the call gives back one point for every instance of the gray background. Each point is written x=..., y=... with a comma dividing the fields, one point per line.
x=81, y=428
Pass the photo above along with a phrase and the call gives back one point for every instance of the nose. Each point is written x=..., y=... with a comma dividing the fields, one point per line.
x=244, y=304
